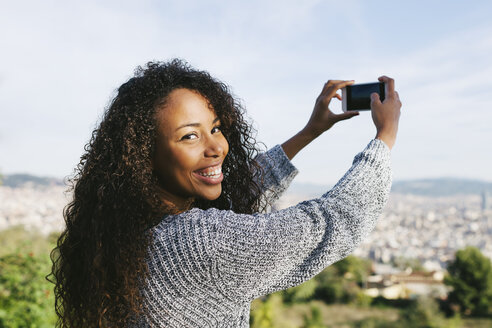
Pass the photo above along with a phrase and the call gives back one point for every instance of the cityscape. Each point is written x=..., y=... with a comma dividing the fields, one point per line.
x=426, y=228
x=418, y=229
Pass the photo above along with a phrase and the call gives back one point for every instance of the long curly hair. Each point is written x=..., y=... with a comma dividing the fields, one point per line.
x=99, y=261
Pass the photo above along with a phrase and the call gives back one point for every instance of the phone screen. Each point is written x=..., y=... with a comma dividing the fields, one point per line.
x=359, y=95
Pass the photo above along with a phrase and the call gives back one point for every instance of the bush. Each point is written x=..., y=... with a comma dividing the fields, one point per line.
x=363, y=299
x=342, y=281
x=315, y=320
x=302, y=293
x=375, y=323
x=404, y=263
x=423, y=313
x=329, y=288
x=470, y=276
x=26, y=298
x=264, y=314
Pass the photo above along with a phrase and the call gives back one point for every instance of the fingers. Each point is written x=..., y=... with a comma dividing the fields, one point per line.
x=338, y=84
x=375, y=99
x=330, y=83
x=398, y=98
x=332, y=86
x=346, y=116
x=390, y=85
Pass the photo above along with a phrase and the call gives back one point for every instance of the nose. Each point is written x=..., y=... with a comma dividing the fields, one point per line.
x=214, y=147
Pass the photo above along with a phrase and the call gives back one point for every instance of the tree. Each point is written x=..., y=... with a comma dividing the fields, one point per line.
x=470, y=276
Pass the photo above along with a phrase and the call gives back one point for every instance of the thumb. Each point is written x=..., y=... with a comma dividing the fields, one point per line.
x=375, y=99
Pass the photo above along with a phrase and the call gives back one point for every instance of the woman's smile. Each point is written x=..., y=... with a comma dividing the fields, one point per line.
x=211, y=174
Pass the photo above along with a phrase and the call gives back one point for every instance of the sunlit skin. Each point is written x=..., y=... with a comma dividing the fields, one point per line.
x=190, y=149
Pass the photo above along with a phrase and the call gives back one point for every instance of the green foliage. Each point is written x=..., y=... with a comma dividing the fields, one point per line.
x=353, y=268
x=26, y=298
x=374, y=323
x=421, y=313
x=363, y=299
x=342, y=281
x=18, y=239
x=456, y=322
x=329, y=288
x=264, y=314
x=424, y=313
x=470, y=276
x=404, y=263
x=314, y=320
x=301, y=293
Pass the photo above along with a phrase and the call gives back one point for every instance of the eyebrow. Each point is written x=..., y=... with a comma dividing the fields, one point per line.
x=195, y=124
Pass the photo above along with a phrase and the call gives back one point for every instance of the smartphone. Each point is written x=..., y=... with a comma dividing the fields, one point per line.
x=358, y=96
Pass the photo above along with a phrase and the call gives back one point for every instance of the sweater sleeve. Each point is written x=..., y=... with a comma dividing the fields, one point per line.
x=278, y=173
x=255, y=255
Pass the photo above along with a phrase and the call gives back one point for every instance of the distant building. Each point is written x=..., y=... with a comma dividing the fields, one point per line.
x=406, y=285
x=485, y=204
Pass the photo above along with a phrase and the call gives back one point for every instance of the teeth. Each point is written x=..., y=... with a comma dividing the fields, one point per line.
x=213, y=173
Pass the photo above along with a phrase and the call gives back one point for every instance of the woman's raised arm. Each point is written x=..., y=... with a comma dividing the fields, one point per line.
x=258, y=254
x=321, y=119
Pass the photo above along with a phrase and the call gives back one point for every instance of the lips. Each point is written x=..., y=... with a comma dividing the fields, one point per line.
x=210, y=171
x=210, y=175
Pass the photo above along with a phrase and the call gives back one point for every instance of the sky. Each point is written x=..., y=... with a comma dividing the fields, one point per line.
x=61, y=62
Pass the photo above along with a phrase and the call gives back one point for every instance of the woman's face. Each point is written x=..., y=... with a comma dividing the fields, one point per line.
x=190, y=147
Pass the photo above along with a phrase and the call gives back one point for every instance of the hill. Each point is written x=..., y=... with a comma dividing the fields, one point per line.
x=21, y=180
x=423, y=187
x=442, y=187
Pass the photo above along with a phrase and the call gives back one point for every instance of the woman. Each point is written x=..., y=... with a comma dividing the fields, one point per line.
x=165, y=227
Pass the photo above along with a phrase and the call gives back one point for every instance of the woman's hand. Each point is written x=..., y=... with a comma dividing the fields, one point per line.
x=386, y=114
x=322, y=117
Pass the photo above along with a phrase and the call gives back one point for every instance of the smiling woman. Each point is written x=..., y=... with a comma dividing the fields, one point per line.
x=190, y=149
x=167, y=226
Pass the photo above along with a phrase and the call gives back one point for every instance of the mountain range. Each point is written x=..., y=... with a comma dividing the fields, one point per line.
x=437, y=187
x=424, y=187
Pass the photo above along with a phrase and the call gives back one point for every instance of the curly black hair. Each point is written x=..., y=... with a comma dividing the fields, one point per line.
x=99, y=261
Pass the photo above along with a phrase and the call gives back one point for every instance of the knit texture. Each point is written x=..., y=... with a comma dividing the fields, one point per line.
x=206, y=266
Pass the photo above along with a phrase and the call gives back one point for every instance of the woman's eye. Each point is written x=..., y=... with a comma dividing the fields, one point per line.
x=189, y=136
x=216, y=129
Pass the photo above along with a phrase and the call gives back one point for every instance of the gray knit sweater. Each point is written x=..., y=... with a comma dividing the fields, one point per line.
x=206, y=266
